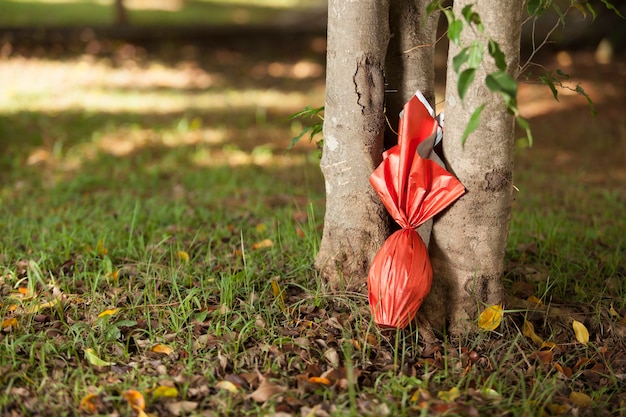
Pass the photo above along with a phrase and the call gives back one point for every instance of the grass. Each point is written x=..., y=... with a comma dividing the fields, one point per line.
x=15, y=13
x=175, y=239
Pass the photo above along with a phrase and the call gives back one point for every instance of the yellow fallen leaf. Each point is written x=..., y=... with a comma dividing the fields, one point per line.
x=115, y=275
x=38, y=307
x=535, y=300
x=420, y=394
x=279, y=294
x=100, y=248
x=22, y=293
x=263, y=244
x=491, y=394
x=449, y=396
x=491, y=317
x=581, y=332
x=529, y=331
x=136, y=401
x=548, y=345
x=93, y=358
x=109, y=312
x=580, y=399
x=614, y=313
x=162, y=349
x=183, y=256
x=165, y=391
x=227, y=386
x=276, y=290
x=87, y=405
x=12, y=322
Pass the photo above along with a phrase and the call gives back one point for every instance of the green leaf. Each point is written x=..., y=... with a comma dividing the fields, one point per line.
x=460, y=59
x=547, y=80
x=454, y=31
x=471, y=16
x=297, y=138
x=610, y=6
x=473, y=123
x=433, y=6
x=465, y=79
x=307, y=111
x=534, y=7
x=558, y=11
x=523, y=123
x=502, y=82
x=497, y=54
x=563, y=74
x=582, y=92
x=580, y=8
x=475, y=54
x=592, y=10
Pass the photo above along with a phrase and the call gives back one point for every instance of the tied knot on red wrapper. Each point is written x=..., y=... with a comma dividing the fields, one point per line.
x=414, y=186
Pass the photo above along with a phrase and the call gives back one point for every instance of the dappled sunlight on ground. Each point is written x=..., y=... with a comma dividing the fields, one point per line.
x=82, y=84
x=221, y=105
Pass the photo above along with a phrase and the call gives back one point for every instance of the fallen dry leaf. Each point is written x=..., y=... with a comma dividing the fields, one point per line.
x=491, y=317
x=614, y=313
x=9, y=323
x=181, y=407
x=543, y=356
x=332, y=357
x=183, y=256
x=42, y=306
x=100, y=248
x=449, y=396
x=165, y=391
x=93, y=358
x=87, y=404
x=580, y=399
x=228, y=386
x=529, y=331
x=567, y=371
x=263, y=244
x=109, y=312
x=159, y=348
x=320, y=380
x=266, y=390
x=136, y=401
x=581, y=332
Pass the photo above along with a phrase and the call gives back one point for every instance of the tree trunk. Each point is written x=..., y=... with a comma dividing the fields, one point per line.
x=355, y=223
x=410, y=66
x=469, y=240
x=121, y=17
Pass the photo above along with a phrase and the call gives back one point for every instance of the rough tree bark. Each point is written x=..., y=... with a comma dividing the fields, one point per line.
x=469, y=240
x=355, y=223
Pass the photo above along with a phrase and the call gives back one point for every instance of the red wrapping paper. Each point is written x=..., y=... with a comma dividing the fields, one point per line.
x=413, y=188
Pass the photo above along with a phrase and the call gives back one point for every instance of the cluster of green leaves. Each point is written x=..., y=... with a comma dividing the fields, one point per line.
x=314, y=130
x=538, y=7
x=554, y=79
x=471, y=57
